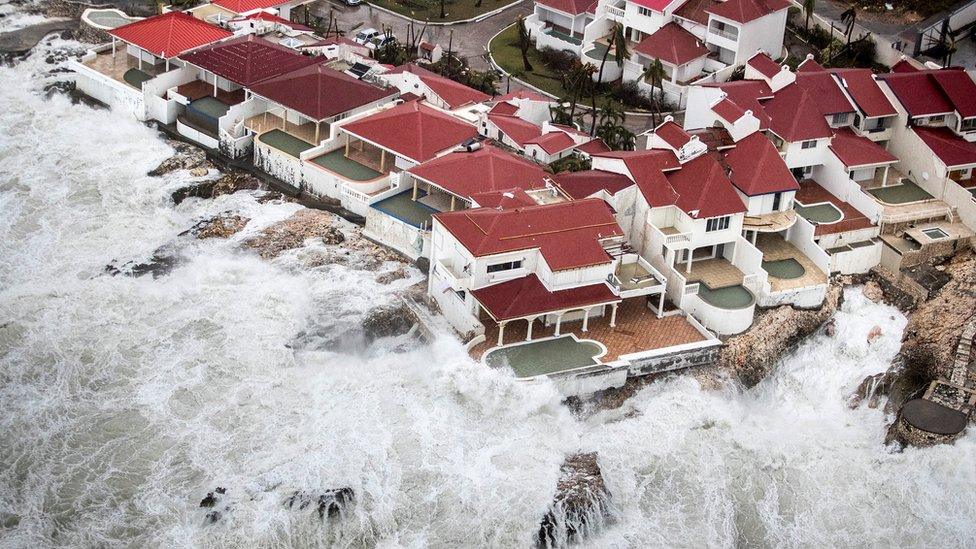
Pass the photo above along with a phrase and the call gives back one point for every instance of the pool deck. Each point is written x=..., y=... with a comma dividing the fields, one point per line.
x=716, y=273
x=812, y=193
x=638, y=329
x=115, y=66
x=266, y=122
x=196, y=89
x=337, y=162
x=775, y=248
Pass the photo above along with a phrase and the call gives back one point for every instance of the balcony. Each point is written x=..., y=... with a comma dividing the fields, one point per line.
x=732, y=35
x=634, y=276
x=457, y=277
x=674, y=238
x=614, y=13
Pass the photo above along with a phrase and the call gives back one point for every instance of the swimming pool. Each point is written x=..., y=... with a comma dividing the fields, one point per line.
x=729, y=297
x=784, y=268
x=902, y=193
x=545, y=356
x=819, y=213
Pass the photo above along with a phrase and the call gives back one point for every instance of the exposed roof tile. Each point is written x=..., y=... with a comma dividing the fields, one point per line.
x=320, y=92
x=487, y=169
x=412, y=130
x=527, y=296
x=248, y=60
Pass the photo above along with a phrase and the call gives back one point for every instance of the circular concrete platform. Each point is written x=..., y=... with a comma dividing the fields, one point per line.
x=933, y=418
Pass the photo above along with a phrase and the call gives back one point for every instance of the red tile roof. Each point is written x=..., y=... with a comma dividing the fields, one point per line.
x=743, y=11
x=572, y=7
x=412, y=130
x=865, y=91
x=904, y=66
x=484, y=170
x=672, y=134
x=244, y=6
x=746, y=94
x=704, y=190
x=696, y=10
x=795, y=115
x=762, y=63
x=503, y=109
x=583, y=184
x=515, y=128
x=949, y=147
x=552, y=142
x=830, y=99
x=757, y=167
x=527, y=296
x=170, y=34
x=507, y=199
x=567, y=234
x=271, y=18
x=809, y=65
x=593, y=146
x=854, y=150
x=320, y=92
x=918, y=92
x=672, y=44
x=729, y=111
x=455, y=94
x=656, y=5
x=647, y=170
x=959, y=87
x=248, y=60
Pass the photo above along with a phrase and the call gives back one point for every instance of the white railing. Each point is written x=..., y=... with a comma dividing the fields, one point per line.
x=677, y=238
x=940, y=211
x=728, y=35
x=615, y=13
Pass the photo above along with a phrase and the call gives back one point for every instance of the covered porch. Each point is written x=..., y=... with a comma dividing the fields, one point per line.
x=630, y=327
x=117, y=64
x=279, y=118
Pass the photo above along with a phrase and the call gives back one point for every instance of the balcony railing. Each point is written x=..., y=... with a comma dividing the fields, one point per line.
x=615, y=13
x=727, y=34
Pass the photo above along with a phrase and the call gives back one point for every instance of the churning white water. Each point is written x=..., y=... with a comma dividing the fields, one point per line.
x=123, y=401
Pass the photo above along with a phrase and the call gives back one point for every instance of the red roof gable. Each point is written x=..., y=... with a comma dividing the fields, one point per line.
x=484, y=170
x=320, y=92
x=672, y=44
x=704, y=190
x=729, y=111
x=527, y=296
x=854, y=150
x=696, y=10
x=170, y=34
x=586, y=183
x=918, y=92
x=865, y=91
x=757, y=167
x=244, y=6
x=503, y=108
x=455, y=94
x=593, y=146
x=809, y=65
x=950, y=148
x=746, y=94
x=795, y=115
x=412, y=130
x=572, y=7
x=672, y=134
x=830, y=99
x=567, y=234
x=903, y=66
x=743, y=11
x=647, y=170
x=959, y=87
x=552, y=142
x=762, y=63
x=515, y=128
x=248, y=60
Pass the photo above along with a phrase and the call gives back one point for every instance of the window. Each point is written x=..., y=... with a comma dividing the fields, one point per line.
x=811, y=144
x=777, y=198
x=645, y=11
x=718, y=223
x=968, y=125
x=507, y=266
x=839, y=118
x=937, y=119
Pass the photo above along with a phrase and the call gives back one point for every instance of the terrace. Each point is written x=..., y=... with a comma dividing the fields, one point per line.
x=829, y=214
x=124, y=68
x=266, y=122
x=716, y=273
x=637, y=329
x=403, y=207
x=787, y=266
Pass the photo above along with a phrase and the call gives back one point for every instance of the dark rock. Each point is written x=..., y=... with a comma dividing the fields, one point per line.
x=830, y=328
x=60, y=86
x=423, y=264
x=387, y=321
x=163, y=260
x=227, y=184
x=224, y=225
x=186, y=157
x=330, y=503
x=213, y=516
x=208, y=501
x=221, y=490
x=292, y=233
x=204, y=189
x=581, y=503
x=388, y=277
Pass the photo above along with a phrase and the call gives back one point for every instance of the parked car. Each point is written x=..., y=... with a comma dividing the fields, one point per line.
x=380, y=41
x=366, y=36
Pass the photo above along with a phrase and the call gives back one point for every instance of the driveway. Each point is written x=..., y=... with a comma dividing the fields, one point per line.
x=469, y=40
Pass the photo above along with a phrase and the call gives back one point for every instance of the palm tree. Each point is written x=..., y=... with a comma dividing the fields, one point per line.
x=808, y=6
x=848, y=18
x=654, y=75
x=619, y=44
x=524, y=42
x=575, y=83
x=610, y=115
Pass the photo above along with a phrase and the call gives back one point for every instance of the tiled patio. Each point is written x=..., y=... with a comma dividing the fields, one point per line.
x=266, y=122
x=812, y=193
x=196, y=89
x=115, y=66
x=638, y=329
x=716, y=273
x=775, y=248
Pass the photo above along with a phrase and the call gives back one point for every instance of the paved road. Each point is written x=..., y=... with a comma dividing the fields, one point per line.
x=470, y=39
